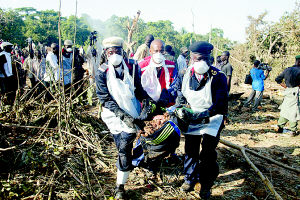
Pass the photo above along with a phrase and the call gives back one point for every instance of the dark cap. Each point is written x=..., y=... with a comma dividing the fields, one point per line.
x=201, y=47
x=256, y=63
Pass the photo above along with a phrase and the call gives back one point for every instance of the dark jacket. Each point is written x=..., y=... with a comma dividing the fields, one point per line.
x=291, y=76
x=218, y=89
x=102, y=92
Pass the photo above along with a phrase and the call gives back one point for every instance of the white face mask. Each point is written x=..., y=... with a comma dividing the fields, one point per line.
x=69, y=50
x=115, y=59
x=201, y=67
x=158, y=58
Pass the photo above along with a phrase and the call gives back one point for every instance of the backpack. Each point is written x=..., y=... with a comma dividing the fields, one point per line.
x=248, y=79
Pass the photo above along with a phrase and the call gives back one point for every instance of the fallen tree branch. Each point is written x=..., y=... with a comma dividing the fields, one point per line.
x=235, y=146
x=263, y=178
x=13, y=147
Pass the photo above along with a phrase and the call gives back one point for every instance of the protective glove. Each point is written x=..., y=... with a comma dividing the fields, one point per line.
x=201, y=117
x=163, y=100
x=148, y=108
x=126, y=118
x=184, y=113
x=187, y=114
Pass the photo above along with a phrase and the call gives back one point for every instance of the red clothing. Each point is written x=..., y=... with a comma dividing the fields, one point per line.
x=169, y=64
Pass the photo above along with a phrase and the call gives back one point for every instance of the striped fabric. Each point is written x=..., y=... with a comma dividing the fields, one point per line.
x=163, y=135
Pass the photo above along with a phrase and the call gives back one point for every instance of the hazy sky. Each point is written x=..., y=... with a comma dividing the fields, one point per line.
x=230, y=15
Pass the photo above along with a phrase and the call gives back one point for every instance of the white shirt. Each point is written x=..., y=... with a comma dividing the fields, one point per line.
x=181, y=63
x=7, y=65
x=51, y=67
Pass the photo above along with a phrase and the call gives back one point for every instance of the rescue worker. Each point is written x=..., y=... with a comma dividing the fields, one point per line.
x=182, y=62
x=76, y=76
x=6, y=72
x=290, y=109
x=143, y=50
x=118, y=86
x=67, y=55
x=203, y=87
x=158, y=75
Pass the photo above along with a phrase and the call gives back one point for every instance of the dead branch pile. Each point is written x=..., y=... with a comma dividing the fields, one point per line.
x=51, y=150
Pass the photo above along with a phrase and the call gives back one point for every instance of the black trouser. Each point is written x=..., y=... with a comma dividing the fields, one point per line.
x=33, y=82
x=9, y=87
x=124, y=143
x=203, y=166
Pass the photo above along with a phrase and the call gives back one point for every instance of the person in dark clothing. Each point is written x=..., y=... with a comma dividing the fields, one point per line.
x=226, y=68
x=203, y=88
x=169, y=53
x=290, y=109
x=119, y=90
x=7, y=84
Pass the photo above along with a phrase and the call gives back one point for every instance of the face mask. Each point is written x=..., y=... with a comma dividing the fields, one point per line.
x=201, y=67
x=158, y=58
x=69, y=50
x=115, y=59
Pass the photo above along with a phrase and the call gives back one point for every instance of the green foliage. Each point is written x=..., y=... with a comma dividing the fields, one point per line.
x=11, y=25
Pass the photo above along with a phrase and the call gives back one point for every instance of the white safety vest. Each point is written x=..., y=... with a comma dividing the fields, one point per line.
x=122, y=92
x=200, y=101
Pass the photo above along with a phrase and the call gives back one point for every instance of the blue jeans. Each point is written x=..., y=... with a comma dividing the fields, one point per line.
x=124, y=143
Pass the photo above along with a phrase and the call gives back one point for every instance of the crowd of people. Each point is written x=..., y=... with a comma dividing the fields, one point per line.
x=149, y=84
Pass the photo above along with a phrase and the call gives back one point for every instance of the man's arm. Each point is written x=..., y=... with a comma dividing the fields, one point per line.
x=228, y=82
x=102, y=92
x=279, y=79
x=219, y=95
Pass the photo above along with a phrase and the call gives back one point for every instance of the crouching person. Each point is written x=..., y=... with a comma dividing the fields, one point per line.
x=118, y=92
x=203, y=88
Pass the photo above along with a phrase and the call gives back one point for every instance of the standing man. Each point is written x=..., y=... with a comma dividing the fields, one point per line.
x=118, y=91
x=203, y=87
x=143, y=50
x=258, y=78
x=158, y=75
x=51, y=75
x=28, y=67
x=182, y=61
x=6, y=73
x=78, y=72
x=226, y=68
x=290, y=107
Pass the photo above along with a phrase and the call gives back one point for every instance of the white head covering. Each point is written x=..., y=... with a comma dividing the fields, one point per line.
x=112, y=42
x=4, y=44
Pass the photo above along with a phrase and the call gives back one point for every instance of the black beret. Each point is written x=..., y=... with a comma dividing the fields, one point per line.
x=201, y=47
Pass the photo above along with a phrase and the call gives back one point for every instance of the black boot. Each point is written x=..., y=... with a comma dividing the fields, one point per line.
x=120, y=192
x=205, y=192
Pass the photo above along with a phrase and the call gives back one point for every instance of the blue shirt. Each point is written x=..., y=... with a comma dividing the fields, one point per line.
x=258, y=78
